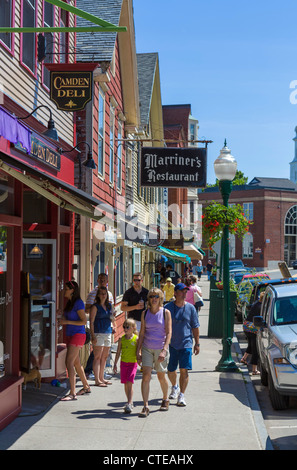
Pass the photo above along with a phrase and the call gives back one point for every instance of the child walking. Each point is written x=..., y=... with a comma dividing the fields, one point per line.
x=127, y=347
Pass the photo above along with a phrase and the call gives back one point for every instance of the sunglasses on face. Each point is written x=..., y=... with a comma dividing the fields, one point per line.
x=137, y=280
x=126, y=327
x=154, y=296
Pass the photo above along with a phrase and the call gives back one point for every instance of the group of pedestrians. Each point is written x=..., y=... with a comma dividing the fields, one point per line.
x=155, y=337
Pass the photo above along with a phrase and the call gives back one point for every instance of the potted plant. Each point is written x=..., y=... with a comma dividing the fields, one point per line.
x=216, y=216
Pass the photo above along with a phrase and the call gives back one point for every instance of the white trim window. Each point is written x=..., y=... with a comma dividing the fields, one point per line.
x=101, y=121
x=119, y=156
x=248, y=210
x=111, y=146
x=247, y=246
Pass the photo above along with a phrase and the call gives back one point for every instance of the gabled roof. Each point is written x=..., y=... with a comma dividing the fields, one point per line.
x=273, y=183
x=97, y=47
x=146, y=66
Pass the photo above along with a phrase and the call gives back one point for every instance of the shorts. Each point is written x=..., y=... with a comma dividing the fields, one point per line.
x=77, y=340
x=103, y=339
x=181, y=357
x=150, y=359
x=128, y=372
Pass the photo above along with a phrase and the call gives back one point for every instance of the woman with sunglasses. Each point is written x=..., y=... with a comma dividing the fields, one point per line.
x=102, y=327
x=75, y=319
x=152, y=349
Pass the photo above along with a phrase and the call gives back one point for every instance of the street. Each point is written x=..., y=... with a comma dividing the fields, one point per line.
x=281, y=425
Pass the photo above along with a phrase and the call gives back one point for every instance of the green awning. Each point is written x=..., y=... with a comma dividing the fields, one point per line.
x=199, y=249
x=174, y=255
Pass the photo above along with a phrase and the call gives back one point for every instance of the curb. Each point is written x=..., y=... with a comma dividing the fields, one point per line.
x=263, y=435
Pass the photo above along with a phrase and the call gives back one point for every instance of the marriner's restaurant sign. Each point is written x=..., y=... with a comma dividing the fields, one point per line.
x=173, y=167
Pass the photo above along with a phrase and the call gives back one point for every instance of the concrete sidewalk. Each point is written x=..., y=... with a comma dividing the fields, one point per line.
x=222, y=412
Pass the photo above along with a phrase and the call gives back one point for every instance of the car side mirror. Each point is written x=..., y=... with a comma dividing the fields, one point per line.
x=259, y=322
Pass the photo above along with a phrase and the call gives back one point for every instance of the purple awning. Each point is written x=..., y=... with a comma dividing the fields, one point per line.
x=11, y=129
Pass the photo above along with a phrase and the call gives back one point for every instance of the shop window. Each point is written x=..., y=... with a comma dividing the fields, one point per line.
x=6, y=296
x=64, y=38
x=119, y=272
x=6, y=194
x=35, y=208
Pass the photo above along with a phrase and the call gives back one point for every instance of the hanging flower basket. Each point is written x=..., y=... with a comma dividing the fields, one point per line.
x=216, y=216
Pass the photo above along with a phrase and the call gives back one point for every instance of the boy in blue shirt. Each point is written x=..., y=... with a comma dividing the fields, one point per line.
x=185, y=326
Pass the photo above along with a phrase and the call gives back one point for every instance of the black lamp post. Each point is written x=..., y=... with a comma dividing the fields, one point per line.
x=225, y=168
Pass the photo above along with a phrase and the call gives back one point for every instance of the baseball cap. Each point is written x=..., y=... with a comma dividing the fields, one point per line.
x=181, y=286
x=169, y=279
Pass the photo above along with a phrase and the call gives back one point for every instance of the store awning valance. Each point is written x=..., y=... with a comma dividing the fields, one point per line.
x=192, y=251
x=175, y=255
x=62, y=194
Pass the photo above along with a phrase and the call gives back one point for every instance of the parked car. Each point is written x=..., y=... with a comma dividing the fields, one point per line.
x=277, y=343
x=236, y=263
x=294, y=264
x=261, y=286
x=245, y=288
x=238, y=273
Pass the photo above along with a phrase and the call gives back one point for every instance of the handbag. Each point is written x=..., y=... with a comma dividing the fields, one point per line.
x=198, y=299
x=249, y=327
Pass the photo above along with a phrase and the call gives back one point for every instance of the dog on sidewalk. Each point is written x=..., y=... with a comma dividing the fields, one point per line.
x=33, y=376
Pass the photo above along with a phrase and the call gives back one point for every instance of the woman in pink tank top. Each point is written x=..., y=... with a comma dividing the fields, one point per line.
x=153, y=344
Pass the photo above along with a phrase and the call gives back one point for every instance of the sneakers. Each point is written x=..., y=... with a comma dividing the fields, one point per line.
x=128, y=408
x=181, y=400
x=174, y=392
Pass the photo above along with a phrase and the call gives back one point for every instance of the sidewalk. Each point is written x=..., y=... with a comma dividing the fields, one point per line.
x=222, y=412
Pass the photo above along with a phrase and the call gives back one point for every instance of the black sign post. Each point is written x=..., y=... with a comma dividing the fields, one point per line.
x=173, y=167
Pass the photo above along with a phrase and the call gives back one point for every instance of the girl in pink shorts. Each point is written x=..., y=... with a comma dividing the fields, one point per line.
x=127, y=347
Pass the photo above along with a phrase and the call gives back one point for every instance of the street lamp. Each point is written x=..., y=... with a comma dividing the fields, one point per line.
x=225, y=168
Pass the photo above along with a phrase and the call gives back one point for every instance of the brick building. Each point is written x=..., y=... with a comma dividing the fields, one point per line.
x=271, y=204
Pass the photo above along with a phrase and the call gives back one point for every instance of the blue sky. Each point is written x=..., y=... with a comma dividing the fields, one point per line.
x=233, y=62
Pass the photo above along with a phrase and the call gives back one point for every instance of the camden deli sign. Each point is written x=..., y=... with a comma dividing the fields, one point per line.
x=173, y=167
x=71, y=90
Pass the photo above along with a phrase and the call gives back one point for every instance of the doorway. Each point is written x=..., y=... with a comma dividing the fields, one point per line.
x=39, y=263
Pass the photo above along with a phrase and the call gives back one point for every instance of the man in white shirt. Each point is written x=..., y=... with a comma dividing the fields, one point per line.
x=102, y=281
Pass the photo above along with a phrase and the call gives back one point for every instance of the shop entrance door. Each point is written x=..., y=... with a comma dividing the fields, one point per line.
x=39, y=262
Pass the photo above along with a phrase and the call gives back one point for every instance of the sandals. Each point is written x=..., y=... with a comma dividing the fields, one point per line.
x=84, y=391
x=69, y=397
x=164, y=405
x=257, y=372
x=144, y=412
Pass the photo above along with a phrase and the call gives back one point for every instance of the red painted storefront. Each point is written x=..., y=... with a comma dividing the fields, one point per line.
x=36, y=256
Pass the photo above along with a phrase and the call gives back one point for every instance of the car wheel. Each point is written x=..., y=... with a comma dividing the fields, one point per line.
x=278, y=401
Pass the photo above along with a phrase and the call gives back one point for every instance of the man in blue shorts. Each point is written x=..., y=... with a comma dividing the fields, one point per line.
x=185, y=327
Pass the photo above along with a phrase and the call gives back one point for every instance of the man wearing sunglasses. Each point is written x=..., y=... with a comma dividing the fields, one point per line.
x=134, y=299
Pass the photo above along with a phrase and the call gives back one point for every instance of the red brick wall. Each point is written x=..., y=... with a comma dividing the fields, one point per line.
x=270, y=208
